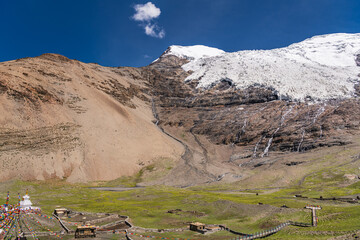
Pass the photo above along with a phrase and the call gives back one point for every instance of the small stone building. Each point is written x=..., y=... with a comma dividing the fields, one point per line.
x=85, y=231
x=198, y=227
x=61, y=212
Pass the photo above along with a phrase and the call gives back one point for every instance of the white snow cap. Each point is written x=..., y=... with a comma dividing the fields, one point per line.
x=322, y=67
x=193, y=52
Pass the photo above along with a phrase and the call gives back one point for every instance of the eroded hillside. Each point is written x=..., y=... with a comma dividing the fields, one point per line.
x=61, y=118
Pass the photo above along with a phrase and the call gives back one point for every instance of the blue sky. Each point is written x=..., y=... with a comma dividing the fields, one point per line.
x=106, y=31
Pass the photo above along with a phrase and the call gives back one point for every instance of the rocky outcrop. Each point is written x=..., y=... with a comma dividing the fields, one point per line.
x=255, y=119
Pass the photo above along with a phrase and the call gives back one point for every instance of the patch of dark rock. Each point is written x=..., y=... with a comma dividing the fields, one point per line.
x=45, y=95
x=357, y=88
x=181, y=212
x=342, y=199
x=21, y=96
x=313, y=128
x=63, y=79
x=3, y=88
x=285, y=98
x=46, y=73
x=293, y=163
x=357, y=60
x=300, y=196
x=223, y=85
x=174, y=211
x=309, y=99
x=259, y=165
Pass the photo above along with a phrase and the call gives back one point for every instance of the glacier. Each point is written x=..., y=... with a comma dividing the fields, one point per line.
x=319, y=68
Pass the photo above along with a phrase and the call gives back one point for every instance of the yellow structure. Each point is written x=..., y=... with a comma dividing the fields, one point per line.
x=85, y=231
x=198, y=227
x=61, y=212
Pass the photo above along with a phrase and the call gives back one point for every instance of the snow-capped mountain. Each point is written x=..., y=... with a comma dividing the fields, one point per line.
x=193, y=52
x=319, y=68
x=87, y=122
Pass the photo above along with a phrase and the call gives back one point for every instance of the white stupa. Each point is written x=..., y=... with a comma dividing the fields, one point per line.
x=26, y=204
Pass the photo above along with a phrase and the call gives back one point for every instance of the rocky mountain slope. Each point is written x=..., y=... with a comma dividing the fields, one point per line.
x=234, y=117
x=217, y=116
x=61, y=118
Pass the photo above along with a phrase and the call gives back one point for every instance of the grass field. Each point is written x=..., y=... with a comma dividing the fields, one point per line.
x=232, y=205
x=147, y=207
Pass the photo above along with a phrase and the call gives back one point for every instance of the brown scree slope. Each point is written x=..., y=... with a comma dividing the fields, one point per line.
x=60, y=118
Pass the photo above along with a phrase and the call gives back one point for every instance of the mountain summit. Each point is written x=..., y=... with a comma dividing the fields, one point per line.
x=193, y=52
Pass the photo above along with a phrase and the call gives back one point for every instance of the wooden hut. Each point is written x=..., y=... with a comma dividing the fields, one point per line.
x=61, y=212
x=85, y=231
x=198, y=227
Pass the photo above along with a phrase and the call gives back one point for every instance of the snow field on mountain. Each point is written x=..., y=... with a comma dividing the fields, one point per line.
x=320, y=68
x=194, y=52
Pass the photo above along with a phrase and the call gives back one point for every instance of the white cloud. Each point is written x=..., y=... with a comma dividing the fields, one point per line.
x=146, y=13
x=154, y=31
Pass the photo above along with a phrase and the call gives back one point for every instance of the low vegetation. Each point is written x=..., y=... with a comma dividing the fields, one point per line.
x=242, y=209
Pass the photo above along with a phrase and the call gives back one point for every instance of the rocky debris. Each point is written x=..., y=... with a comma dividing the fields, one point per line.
x=30, y=93
x=351, y=176
x=293, y=164
x=357, y=60
x=122, y=94
x=167, y=62
x=61, y=136
x=182, y=212
x=357, y=89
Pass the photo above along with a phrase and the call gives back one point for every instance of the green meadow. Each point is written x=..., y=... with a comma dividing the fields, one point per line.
x=245, y=211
